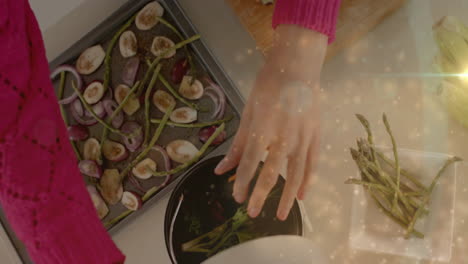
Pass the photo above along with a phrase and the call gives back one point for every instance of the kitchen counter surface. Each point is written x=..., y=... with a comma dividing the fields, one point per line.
x=380, y=73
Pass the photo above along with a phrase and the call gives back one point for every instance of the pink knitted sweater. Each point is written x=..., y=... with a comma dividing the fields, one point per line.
x=41, y=189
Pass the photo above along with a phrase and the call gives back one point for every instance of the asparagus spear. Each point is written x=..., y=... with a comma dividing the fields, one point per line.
x=108, y=59
x=150, y=145
x=104, y=123
x=147, y=103
x=195, y=125
x=397, y=161
x=194, y=159
x=431, y=189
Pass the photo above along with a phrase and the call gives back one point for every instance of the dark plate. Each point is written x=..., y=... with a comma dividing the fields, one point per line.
x=208, y=202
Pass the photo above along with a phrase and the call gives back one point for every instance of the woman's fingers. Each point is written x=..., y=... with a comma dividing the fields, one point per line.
x=296, y=168
x=267, y=180
x=251, y=157
x=236, y=150
x=311, y=166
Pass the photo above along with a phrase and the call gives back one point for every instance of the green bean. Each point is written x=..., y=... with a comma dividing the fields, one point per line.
x=86, y=105
x=194, y=159
x=176, y=94
x=147, y=103
x=195, y=125
x=155, y=138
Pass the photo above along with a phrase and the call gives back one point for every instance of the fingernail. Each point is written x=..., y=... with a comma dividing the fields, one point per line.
x=237, y=197
x=253, y=211
x=282, y=215
x=220, y=166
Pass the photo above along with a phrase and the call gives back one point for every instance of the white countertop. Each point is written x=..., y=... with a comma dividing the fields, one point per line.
x=366, y=79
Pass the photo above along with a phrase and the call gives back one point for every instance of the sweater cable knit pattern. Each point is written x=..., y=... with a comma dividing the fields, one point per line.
x=318, y=15
x=41, y=189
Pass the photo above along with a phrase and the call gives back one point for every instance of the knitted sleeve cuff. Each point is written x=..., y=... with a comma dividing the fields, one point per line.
x=317, y=15
x=74, y=237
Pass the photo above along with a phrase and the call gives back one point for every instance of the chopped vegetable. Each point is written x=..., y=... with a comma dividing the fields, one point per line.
x=184, y=115
x=195, y=125
x=92, y=150
x=130, y=71
x=93, y=92
x=79, y=82
x=219, y=112
x=190, y=88
x=163, y=100
x=161, y=46
x=128, y=44
x=110, y=48
x=62, y=111
x=98, y=109
x=87, y=107
x=149, y=89
x=98, y=203
x=206, y=133
x=77, y=132
x=181, y=151
x=118, y=112
x=131, y=201
x=110, y=106
x=141, y=170
x=195, y=159
x=111, y=187
x=147, y=17
x=134, y=129
x=150, y=145
x=132, y=105
x=179, y=70
x=176, y=94
x=90, y=60
x=77, y=107
x=167, y=163
x=90, y=168
x=114, y=151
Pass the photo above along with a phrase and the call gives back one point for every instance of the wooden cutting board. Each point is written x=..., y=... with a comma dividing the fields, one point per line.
x=356, y=18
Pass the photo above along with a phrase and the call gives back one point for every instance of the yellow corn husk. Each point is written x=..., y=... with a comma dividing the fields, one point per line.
x=451, y=36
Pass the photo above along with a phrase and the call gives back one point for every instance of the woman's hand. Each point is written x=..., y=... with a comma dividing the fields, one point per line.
x=281, y=116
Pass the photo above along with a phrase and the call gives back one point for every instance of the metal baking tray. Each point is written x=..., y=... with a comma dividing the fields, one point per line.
x=205, y=62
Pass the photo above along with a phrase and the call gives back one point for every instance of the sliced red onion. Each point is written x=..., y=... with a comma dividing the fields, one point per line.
x=79, y=82
x=134, y=129
x=167, y=163
x=134, y=181
x=79, y=118
x=78, y=132
x=205, y=134
x=214, y=97
x=179, y=70
x=90, y=168
x=222, y=97
x=109, y=94
x=98, y=109
x=130, y=71
x=110, y=106
x=77, y=107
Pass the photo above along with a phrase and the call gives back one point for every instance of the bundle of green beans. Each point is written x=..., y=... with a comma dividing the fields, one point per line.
x=398, y=193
